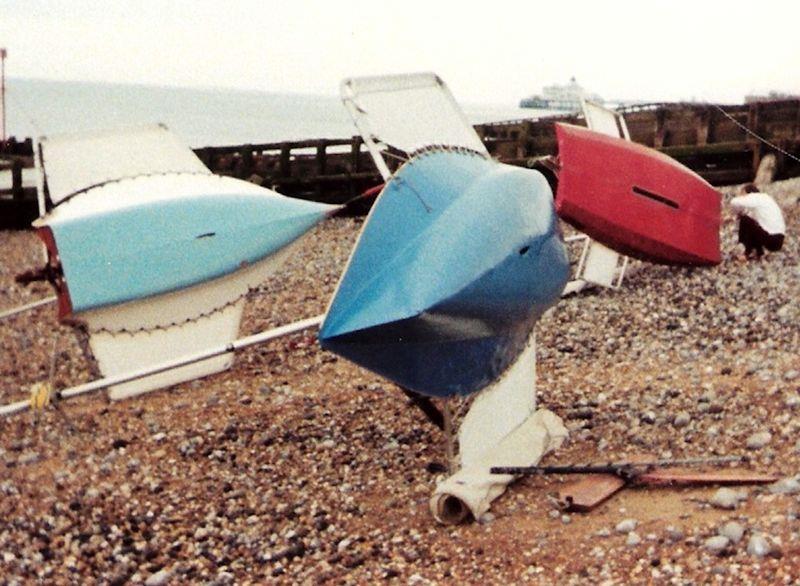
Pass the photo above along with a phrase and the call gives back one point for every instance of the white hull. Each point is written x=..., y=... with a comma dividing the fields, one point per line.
x=143, y=333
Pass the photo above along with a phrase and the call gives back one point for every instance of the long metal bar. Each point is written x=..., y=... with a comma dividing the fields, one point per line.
x=611, y=467
x=369, y=138
x=239, y=344
x=23, y=308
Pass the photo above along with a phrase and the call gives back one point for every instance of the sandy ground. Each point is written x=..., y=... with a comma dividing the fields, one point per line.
x=298, y=467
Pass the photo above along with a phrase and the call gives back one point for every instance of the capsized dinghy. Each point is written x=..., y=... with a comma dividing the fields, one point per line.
x=152, y=252
x=636, y=200
x=150, y=235
x=458, y=259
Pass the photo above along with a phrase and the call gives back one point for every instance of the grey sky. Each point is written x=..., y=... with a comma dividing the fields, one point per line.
x=489, y=52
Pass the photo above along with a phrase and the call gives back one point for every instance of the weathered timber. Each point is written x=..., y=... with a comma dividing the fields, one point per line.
x=327, y=170
x=711, y=142
x=18, y=204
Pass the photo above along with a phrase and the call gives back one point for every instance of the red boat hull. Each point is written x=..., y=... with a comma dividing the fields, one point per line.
x=636, y=200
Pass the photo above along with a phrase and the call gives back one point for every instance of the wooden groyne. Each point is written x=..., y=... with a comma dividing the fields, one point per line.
x=18, y=207
x=327, y=170
x=724, y=144
x=711, y=140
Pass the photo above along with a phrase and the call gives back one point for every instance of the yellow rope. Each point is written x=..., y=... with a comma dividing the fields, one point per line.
x=40, y=395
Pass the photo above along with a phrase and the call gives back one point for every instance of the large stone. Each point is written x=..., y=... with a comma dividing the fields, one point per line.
x=716, y=544
x=758, y=546
x=725, y=498
x=785, y=486
x=626, y=526
x=160, y=578
x=682, y=419
x=733, y=531
x=759, y=440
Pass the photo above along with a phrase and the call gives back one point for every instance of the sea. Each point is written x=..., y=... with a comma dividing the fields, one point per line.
x=201, y=117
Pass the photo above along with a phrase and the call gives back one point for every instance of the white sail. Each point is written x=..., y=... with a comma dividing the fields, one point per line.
x=407, y=112
x=72, y=162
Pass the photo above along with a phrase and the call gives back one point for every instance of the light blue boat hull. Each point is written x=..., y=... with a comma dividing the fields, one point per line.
x=140, y=251
x=458, y=260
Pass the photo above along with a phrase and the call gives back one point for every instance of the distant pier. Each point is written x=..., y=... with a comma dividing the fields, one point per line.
x=724, y=144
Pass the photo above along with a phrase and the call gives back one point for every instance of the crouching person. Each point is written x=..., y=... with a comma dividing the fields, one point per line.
x=761, y=223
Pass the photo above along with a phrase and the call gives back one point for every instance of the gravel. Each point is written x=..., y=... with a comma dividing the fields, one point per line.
x=264, y=470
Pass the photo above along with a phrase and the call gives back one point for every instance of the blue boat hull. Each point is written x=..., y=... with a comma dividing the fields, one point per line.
x=458, y=260
x=139, y=251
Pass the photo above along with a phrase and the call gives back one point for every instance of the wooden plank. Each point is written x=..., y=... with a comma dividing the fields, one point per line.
x=285, y=161
x=669, y=477
x=585, y=494
x=686, y=150
x=277, y=146
x=355, y=154
x=703, y=126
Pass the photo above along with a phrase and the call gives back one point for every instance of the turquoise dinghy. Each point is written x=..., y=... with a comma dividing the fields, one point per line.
x=198, y=229
x=458, y=259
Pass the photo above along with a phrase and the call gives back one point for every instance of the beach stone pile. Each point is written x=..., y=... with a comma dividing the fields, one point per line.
x=297, y=467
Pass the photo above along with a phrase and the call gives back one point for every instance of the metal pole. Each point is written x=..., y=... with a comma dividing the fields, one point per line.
x=110, y=381
x=449, y=440
x=3, y=90
x=612, y=467
x=28, y=307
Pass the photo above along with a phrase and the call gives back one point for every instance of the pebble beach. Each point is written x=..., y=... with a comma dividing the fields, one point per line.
x=296, y=467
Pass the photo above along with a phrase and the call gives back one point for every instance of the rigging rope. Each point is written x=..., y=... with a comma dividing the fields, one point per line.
x=755, y=135
x=40, y=395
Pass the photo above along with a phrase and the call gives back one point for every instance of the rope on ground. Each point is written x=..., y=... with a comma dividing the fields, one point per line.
x=41, y=394
x=755, y=135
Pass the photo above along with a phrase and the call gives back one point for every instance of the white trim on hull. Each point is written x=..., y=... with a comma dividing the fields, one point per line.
x=149, y=331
